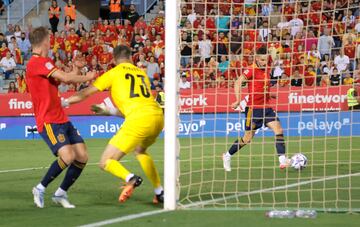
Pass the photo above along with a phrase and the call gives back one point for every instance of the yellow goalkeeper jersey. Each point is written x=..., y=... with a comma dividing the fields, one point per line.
x=130, y=90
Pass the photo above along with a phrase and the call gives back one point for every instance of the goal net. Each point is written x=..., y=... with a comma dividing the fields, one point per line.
x=312, y=63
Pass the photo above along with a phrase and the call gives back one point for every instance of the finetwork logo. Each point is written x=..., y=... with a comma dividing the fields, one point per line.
x=14, y=104
x=294, y=98
x=2, y=126
x=194, y=101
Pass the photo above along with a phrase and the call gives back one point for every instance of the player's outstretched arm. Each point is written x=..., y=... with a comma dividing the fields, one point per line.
x=72, y=77
x=102, y=109
x=81, y=95
x=239, y=81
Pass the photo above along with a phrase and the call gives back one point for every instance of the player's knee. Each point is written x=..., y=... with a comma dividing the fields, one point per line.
x=246, y=140
x=279, y=131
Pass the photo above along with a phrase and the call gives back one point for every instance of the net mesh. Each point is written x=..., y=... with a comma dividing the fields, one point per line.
x=306, y=42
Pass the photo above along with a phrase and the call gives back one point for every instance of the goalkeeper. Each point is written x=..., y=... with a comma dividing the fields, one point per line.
x=144, y=120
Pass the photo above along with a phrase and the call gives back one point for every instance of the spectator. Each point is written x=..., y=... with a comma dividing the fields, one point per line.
x=132, y=15
x=184, y=84
x=7, y=65
x=205, y=48
x=325, y=43
x=335, y=78
x=310, y=76
x=81, y=29
x=12, y=88
x=325, y=80
x=297, y=79
x=350, y=51
x=140, y=24
x=296, y=25
x=224, y=64
x=115, y=9
x=69, y=23
x=136, y=43
x=235, y=43
x=223, y=22
x=54, y=15
x=70, y=10
x=2, y=7
x=9, y=32
x=341, y=62
x=25, y=46
x=152, y=68
x=314, y=55
x=186, y=50
x=2, y=39
x=17, y=32
x=347, y=80
x=357, y=26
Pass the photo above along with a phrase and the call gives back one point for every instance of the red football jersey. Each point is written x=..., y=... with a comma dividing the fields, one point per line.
x=44, y=92
x=258, y=87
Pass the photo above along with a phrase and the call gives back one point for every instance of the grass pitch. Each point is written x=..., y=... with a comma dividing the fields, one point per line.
x=202, y=178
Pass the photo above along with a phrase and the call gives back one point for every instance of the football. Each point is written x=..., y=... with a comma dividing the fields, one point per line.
x=298, y=161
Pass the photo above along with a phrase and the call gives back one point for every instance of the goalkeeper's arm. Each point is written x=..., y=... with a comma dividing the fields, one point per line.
x=101, y=109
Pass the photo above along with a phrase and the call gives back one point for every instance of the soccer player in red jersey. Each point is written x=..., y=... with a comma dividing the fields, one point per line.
x=65, y=142
x=258, y=111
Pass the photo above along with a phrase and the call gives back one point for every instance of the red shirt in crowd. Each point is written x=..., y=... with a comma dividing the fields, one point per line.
x=44, y=92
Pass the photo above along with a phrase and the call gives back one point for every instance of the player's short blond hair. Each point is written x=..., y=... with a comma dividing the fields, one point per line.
x=38, y=35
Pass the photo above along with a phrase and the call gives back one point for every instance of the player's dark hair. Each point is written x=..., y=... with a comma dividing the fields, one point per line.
x=122, y=52
x=262, y=50
x=38, y=35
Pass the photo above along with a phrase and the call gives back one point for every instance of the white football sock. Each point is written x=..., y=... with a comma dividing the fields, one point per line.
x=227, y=154
x=158, y=190
x=128, y=177
x=40, y=187
x=282, y=159
x=60, y=192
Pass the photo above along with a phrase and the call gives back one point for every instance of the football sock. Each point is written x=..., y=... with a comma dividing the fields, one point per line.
x=158, y=190
x=40, y=187
x=282, y=159
x=60, y=192
x=280, y=144
x=236, y=146
x=148, y=166
x=116, y=168
x=72, y=174
x=55, y=169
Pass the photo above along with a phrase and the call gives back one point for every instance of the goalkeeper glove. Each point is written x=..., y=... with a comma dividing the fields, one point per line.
x=101, y=109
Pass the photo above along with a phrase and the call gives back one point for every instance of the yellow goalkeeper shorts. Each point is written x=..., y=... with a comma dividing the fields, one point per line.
x=141, y=131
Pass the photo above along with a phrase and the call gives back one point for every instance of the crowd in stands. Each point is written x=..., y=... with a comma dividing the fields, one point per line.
x=310, y=43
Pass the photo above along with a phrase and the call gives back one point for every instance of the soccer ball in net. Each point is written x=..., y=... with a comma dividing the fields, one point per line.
x=298, y=161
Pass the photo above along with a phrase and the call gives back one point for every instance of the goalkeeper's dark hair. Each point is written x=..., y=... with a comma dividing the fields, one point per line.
x=122, y=52
x=262, y=50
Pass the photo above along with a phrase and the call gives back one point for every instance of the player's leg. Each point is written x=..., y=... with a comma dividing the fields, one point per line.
x=76, y=166
x=273, y=122
x=118, y=147
x=149, y=168
x=65, y=154
x=252, y=123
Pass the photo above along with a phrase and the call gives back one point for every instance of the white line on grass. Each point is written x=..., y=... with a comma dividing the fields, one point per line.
x=46, y=167
x=203, y=203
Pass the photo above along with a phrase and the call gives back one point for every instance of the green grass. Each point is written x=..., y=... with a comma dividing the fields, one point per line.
x=96, y=192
